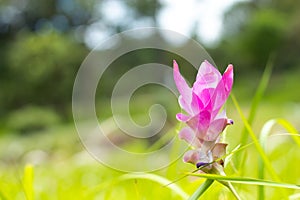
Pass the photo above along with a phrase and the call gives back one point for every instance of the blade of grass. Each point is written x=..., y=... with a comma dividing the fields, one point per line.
x=200, y=190
x=158, y=179
x=133, y=176
x=291, y=129
x=256, y=100
x=265, y=132
x=285, y=124
x=259, y=148
x=248, y=181
x=28, y=182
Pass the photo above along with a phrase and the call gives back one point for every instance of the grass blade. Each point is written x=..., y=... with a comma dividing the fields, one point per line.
x=254, y=105
x=28, y=182
x=265, y=132
x=258, y=96
x=291, y=129
x=203, y=187
x=158, y=179
x=248, y=181
x=259, y=148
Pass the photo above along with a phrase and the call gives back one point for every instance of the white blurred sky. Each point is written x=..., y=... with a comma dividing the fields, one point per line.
x=204, y=15
x=182, y=16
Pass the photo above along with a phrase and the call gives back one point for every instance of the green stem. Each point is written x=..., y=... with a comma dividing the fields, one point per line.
x=201, y=189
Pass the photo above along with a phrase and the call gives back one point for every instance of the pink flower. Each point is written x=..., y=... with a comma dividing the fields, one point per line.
x=202, y=104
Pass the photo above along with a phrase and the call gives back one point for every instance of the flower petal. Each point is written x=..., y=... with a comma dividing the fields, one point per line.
x=185, y=105
x=228, y=78
x=208, y=74
x=182, y=117
x=208, y=77
x=206, y=96
x=200, y=123
x=189, y=136
x=183, y=88
x=219, y=151
x=215, y=129
x=191, y=156
x=196, y=104
x=222, y=90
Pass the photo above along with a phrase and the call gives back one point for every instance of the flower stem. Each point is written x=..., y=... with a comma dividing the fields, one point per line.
x=201, y=189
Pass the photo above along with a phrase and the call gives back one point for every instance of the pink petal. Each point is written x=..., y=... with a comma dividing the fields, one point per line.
x=200, y=123
x=206, y=95
x=183, y=88
x=189, y=136
x=185, y=105
x=221, y=114
x=223, y=89
x=182, y=117
x=196, y=104
x=208, y=77
x=218, y=99
x=219, y=150
x=191, y=156
x=215, y=129
x=228, y=78
x=208, y=74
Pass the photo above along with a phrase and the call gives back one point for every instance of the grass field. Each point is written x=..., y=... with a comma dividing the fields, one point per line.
x=53, y=164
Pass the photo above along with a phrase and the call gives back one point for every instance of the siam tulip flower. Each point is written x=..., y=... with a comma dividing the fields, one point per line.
x=202, y=105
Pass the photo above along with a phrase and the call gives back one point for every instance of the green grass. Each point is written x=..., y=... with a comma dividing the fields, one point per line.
x=62, y=169
x=53, y=164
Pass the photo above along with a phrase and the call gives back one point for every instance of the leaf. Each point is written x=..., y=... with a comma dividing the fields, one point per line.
x=248, y=181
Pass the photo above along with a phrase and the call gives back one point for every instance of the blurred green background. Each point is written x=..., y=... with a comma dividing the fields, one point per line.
x=43, y=43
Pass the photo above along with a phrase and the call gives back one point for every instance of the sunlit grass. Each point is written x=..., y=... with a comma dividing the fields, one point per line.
x=53, y=164
x=67, y=170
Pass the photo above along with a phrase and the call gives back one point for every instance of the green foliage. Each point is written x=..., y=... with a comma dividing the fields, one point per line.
x=41, y=70
x=253, y=30
x=32, y=118
x=264, y=36
x=69, y=171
